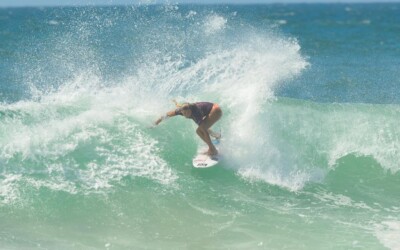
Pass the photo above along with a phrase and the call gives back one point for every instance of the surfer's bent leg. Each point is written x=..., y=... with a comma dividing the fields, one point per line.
x=202, y=130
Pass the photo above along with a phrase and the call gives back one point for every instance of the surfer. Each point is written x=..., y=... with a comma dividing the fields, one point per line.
x=204, y=114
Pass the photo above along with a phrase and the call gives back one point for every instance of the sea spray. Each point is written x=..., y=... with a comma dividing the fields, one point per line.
x=238, y=68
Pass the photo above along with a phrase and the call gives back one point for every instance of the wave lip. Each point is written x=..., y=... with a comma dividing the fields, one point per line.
x=291, y=142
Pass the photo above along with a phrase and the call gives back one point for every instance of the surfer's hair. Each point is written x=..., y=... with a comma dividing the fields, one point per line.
x=179, y=105
x=184, y=105
x=187, y=106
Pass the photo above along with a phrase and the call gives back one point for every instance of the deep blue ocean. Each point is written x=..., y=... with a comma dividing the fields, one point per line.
x=310, y=133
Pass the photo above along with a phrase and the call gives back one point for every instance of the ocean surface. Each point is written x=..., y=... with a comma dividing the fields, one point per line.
x=311, y=135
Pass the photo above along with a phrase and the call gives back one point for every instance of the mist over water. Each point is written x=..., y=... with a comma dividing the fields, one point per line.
x=81, y=87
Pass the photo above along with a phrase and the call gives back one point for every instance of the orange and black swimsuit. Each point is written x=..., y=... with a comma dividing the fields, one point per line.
x=200, y=110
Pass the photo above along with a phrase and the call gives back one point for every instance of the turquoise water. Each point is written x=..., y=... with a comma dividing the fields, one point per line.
x=310, y=127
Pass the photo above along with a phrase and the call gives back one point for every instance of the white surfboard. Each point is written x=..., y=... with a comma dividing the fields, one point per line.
x=202, y=160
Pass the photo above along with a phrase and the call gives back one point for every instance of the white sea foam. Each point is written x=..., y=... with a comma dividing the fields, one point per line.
x=341, y=200
x=291, y=180
x=366, y=21
x=282, y=21
x=246, y=81
x=80, y=119
x=191, y=14
x=388, y=233
x=214, y=23
x=9, y=191
x=53, y=22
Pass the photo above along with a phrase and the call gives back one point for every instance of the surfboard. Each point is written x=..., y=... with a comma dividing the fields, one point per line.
x=202, y=160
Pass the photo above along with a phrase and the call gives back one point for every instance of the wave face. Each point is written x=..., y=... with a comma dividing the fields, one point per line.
x=80, y=164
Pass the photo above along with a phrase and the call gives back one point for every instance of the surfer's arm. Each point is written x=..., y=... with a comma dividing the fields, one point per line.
x=166, y=116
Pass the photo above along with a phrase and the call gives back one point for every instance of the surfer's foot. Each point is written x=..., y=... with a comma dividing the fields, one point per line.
x=211, y=152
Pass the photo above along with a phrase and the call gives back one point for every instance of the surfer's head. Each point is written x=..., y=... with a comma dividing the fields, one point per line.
x=186, y=111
